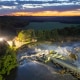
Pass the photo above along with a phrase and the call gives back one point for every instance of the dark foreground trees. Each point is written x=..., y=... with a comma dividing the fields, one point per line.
x=7, y=60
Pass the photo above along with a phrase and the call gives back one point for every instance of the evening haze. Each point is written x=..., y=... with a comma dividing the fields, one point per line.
x=40, y=7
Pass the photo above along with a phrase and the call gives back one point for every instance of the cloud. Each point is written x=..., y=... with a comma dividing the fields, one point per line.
x=28, y=0
x=7, y=7
x=24, y=6
x=38, y=5
x=16, y=3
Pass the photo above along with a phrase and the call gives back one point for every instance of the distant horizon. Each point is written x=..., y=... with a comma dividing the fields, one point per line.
x=34, y=16
x=44, y=13
x=62, y=19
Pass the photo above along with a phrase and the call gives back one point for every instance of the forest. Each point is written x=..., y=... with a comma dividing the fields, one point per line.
x=54, y=35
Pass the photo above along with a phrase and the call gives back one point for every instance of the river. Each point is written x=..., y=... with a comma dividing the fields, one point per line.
x=32, y=70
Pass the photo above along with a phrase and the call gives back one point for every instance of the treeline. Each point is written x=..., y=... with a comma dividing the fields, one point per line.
x=70, y=31
x=56, y=34
x=49, y=35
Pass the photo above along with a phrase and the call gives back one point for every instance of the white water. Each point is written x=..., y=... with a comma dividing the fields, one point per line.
x=63, y=49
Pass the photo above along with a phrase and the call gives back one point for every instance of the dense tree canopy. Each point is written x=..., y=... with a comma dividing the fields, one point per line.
x=49, y=35
x=57, y=34
x=26, y=35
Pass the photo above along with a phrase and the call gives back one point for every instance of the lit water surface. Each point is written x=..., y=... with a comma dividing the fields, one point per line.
x=33, y=70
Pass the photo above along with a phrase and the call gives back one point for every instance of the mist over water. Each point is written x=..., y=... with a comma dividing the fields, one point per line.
x=33, y=70
x=64, y=49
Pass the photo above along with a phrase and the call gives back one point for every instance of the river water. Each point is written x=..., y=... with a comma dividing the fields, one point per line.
x=33, y=70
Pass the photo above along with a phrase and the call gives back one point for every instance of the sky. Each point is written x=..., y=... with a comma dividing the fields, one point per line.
x=40, y=7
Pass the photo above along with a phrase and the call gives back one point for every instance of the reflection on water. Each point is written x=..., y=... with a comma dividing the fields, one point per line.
x=39, y=71
x=35, y=71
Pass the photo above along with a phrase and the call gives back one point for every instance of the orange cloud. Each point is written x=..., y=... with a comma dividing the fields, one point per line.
x=47, y=13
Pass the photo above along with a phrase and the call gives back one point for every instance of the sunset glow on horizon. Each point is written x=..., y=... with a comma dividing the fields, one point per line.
x=46, y=13
x=40, y=7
